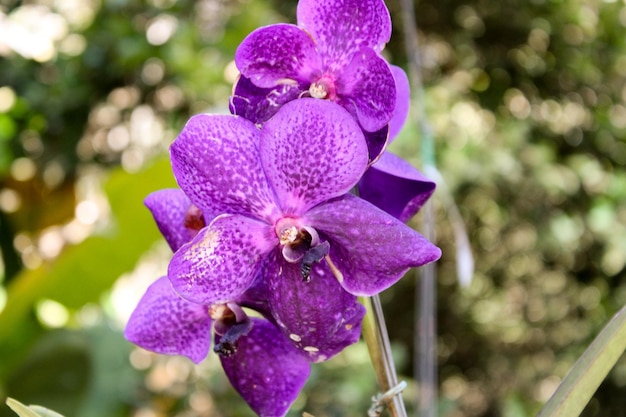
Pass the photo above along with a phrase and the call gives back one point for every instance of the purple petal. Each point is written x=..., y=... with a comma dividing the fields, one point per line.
x=169, y=208
x=393, y=185
x=266, y=370
x=312, y=150
x=376, y=143
x=278, y=54
x=216, y=163
x=403, y=102
x=165, y=323
x=372, y=249
x=318, y=316
x=221, y=262
x=340, y=27
x=259, y=104
x=367, y=85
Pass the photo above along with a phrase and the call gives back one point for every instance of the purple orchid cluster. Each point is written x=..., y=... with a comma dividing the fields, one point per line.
x=289, y=208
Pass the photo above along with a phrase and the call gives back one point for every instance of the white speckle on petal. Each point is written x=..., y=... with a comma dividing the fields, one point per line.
x=295, y=337
x=311, y=349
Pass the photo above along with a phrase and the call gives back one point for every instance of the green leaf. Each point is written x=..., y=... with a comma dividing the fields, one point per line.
x=83, y=272
x=589, y=371
x=30, y=411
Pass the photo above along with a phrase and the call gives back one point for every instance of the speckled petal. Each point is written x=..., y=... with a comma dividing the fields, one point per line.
x=393, y=185
x=278, y=54
x=169, y=208
x=340, y=27
x=318, y=316
x=259, y=104
x=165, y=323
x=216, y=163
x=403, y=102
x=371, y=249
x=312, y=150
x=266, y=370
x=221, y=262
x=368, y=84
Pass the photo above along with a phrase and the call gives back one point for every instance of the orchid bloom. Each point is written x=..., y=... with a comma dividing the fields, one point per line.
x=333, y=53
x=283, y=194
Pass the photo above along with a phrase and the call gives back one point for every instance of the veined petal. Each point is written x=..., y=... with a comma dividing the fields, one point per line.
x=165, y=323
x=340, y=27
x=395, y=186
x=216, y=163
x=312, y=150
x=169, y=208
x=278, y=54
x=371, y=249
x=403, y=102
x=221, y=262
x=368, y=84
x=259, y=104
x=318, y=316
x=266, y=370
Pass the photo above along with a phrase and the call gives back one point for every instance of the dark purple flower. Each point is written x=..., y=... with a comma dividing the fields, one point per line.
x=333, y=54
x=283, y=191
x=391, y=183
x=259, y=361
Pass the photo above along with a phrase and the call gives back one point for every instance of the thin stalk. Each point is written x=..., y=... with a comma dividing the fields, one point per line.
x=426, y=293
x=377, y=340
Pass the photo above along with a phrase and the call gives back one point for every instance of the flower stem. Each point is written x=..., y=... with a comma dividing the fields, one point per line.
x=377, y=340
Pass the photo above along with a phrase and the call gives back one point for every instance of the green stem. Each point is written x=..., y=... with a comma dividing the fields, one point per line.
x=377, y=340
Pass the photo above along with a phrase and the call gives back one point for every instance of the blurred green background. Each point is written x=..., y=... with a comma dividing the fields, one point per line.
x=527, y=103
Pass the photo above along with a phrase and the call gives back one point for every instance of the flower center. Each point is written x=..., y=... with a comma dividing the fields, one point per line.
x=301, y=244
x=194, y=220
x=230, y=323
x=324, y=88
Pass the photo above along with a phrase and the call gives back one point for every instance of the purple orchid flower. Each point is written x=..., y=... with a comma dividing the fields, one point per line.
x=283, y=191
x=333, y=53
x=262, y=365
x=330, y=332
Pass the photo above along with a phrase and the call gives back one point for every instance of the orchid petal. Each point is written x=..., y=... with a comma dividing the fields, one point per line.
x=371, y=249
x=169, y=208
x=165, y=323
x=312, y=150
x=395, y=186
x=221, y=262
x=368, y=85
x=318, y=316
x=340, y=27
x=259, y=104
x=403, y=102
x=216, y=163
x=266, y=370
x=376, y=143
x=278, y=54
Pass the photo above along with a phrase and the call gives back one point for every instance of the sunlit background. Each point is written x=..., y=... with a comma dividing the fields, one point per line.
x=527, y=104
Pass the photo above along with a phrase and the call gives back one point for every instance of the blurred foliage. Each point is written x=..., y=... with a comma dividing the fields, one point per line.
x=527, y=101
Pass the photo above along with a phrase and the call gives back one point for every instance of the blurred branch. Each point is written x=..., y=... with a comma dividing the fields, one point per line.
x=426, y=292
x=10, y=258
